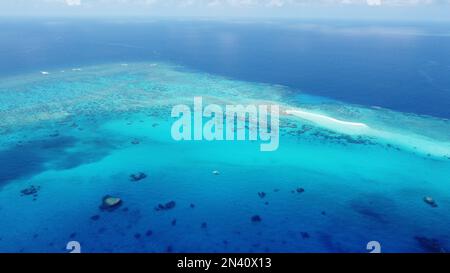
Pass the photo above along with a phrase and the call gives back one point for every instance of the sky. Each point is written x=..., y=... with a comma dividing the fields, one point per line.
x=369, y=9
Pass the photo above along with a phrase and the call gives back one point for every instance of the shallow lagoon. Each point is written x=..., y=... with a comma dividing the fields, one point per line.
x=78, y=135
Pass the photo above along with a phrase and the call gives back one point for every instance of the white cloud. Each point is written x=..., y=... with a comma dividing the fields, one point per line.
x=73, y=2
x=275, y=3
x=236, y=3
x=277, y=8
x=374, y=2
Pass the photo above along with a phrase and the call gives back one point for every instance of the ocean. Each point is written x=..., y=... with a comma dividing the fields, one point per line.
x=85, y=113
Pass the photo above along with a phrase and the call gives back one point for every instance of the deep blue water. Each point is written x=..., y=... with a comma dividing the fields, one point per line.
x=400, y=66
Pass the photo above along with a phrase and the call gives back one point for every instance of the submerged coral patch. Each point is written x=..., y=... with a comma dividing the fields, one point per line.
x=110, y=203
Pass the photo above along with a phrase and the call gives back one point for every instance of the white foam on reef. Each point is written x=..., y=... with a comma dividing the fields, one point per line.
x=395, y=136
x=44, y=73
x=329, y=122
x=76, y=69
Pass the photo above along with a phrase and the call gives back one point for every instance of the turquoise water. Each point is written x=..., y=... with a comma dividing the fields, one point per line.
x=77, y=134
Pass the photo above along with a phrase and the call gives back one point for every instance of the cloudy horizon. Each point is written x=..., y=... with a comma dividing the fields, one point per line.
x=371, y=9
